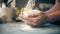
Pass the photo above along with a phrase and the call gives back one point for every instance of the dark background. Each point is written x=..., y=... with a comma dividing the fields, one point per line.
x=22, y=4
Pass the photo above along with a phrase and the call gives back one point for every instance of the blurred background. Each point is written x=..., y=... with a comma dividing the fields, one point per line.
x=15, y=7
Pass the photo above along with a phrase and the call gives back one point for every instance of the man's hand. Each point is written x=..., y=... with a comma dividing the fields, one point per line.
x=34, y=18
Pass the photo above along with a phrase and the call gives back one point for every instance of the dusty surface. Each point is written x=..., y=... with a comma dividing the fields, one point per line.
x=14, y=28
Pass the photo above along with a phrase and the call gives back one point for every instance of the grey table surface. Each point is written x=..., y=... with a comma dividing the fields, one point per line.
x=15, y=29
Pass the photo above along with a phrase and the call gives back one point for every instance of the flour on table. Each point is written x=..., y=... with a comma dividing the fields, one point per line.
x=26, y=27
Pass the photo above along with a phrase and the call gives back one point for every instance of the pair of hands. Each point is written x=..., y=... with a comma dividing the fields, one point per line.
x=34, y=18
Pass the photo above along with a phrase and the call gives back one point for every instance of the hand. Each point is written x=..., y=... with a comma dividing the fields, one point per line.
x=34, y=18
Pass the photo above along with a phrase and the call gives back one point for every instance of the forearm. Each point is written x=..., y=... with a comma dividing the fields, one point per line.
x=53, y=16
x=55, y=7
x=54, y=11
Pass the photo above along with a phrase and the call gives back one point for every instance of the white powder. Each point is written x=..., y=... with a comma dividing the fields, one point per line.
x=26, y=27
x=28, y=8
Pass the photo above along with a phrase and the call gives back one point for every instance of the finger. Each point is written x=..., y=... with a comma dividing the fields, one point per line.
x=21, y=17
x=35, y=15
x=34, y=21
x=31, y=21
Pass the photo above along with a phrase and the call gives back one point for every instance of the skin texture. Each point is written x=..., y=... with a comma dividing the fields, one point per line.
x=33, y=20
x=43, y=17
